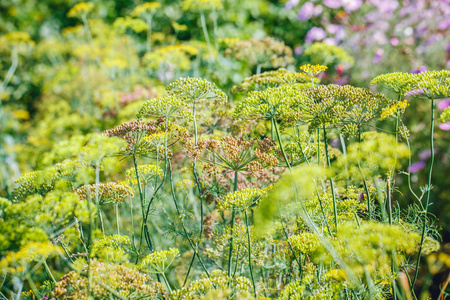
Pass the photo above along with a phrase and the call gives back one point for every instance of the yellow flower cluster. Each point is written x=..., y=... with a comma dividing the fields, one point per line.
x=242, y=199
x=146, y=8
x=80, y=9
x=159, y=261
x=313, y=70
x=397, y=108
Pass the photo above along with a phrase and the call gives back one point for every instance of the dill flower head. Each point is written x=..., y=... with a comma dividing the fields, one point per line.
x=322, y=53
x=125, y=281
x=242, y=199
x=313, y=70
x=342, y=106
x=108, y=193
x=305, y=242
x=398, y=82
x=433, y=84
x=17, y=40
x=274, y=79
x=146, y=173
x=113, y=248
x=159, y=261
x=164, y=107
x=145, y=9
x=176, y=56
x=267, y=53
x=371, y=157
x=80, y=10
x=43, y=181
x=122, y=25
x=201, y=5
x=195, y=89
x=19, y=262
x=218, y=281
x=281, y=103
x=133, y=131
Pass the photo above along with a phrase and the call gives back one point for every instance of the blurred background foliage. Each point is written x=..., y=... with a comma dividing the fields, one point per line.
x=65, y=75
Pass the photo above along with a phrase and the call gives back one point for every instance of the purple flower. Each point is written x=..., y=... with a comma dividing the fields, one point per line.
x=306, y=12
x=425, y=154
x=445, y=126
x=315, y=34
x=298, y=50
x=332, y=3
x=419, y=70
x=444, y=103
x=414, y=92
x=444, y=25
x=291, y=4
x=394, y=41
x=417, y=166
x=351, y=5
x=447, y=48
x=378, y=55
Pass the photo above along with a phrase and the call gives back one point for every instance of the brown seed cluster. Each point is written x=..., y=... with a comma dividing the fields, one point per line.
x=130, y=131
x=108, y=193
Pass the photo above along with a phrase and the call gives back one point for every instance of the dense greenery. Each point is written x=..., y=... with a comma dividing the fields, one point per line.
x=210, y=149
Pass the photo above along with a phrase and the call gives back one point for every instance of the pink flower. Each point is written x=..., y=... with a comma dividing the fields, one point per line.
x=444, y=103
x=417, y=166
x=315, y=34
x=306, y=12
x=445, y=126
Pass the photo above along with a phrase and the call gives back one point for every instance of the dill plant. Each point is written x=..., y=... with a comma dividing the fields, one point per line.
x=256, y=190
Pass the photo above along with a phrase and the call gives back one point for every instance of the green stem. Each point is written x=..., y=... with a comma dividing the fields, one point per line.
x=149, y=32
x=331, y=179
x=425, y=217
x=233, y=216
x=250, y=253
x=205, y=33
x=49, y=271
x=275, y=125
x=167, y=283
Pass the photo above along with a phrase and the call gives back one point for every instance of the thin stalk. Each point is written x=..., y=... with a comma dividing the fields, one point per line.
x=430, y=172
x=116, y=208
x=191, y=243
x=97, y=181
x=388, y=183
x=141, y=197
x=205, y=33
x=250, y=253
x=274, y=124
x=233, y=216
x=49, y=271
x=149, y=32
x=167, y=282
x=12, y=69
x=331, y=179
x=298, y=260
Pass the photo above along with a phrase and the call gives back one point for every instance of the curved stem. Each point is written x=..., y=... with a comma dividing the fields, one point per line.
x=250, y=253
x=205, y=33
x=331, y=179
x=425, y=217
x=274, y=124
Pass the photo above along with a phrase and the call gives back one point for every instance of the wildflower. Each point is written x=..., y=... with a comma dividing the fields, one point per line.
x=186, y=184
x=122, y=25
x=434, y=84
x=164, y=106
x=146, y=173
x=326, y=54
x=201, y=5
x=196, y=89
x=108, y=193
x=313, y=70
x=281, y=103
x=417, y=166
x=242, y=199
x=276, y=78
x=80, y=10
x=146, y=8
x=114, y=248
x=159, y=261
x=398, y=82
x=396, y=109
